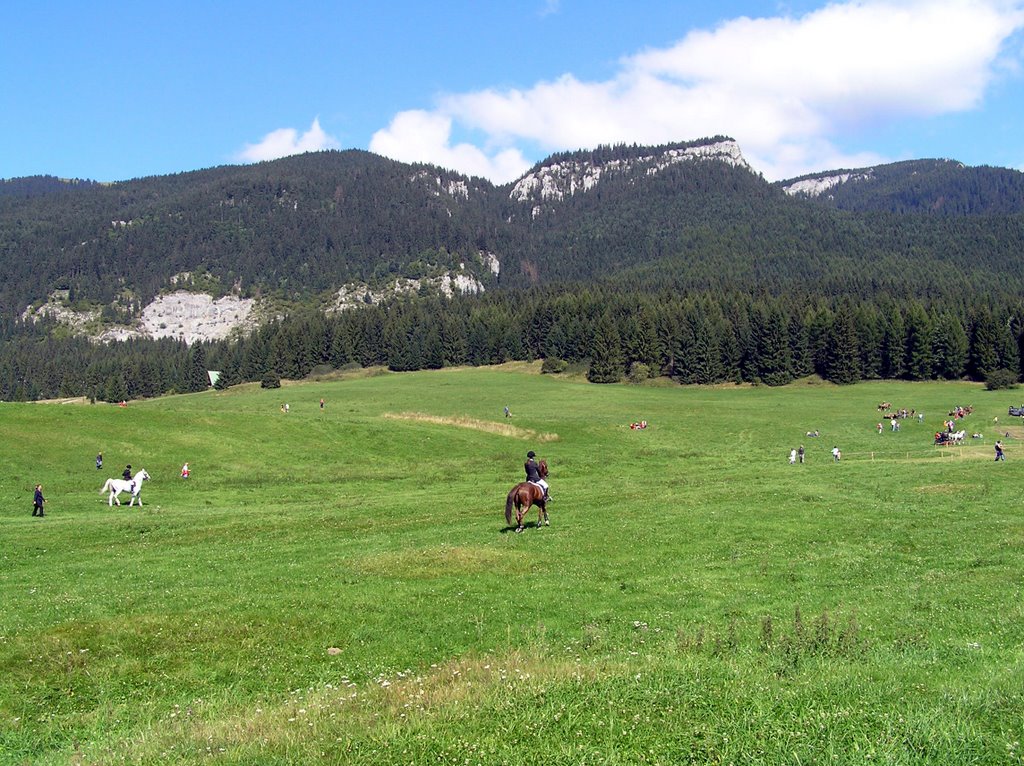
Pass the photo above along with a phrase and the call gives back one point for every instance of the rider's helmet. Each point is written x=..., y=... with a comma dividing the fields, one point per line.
x=531, y=453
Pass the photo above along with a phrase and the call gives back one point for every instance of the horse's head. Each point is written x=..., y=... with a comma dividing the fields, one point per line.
x=142, y=475
x=542, y=468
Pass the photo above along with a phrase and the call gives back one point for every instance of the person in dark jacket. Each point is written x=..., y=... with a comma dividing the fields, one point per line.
x=38, y=501
x=126, y=474
x=99, y=461
x=533, y=473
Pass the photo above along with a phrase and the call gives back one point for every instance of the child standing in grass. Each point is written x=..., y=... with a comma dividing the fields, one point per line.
x=38, y=501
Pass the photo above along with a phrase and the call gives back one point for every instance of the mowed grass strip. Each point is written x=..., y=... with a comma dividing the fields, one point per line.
x=504, y=429
x=339, y=584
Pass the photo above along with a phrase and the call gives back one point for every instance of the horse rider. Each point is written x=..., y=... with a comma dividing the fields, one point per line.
x=126, y=474
x=533, y=474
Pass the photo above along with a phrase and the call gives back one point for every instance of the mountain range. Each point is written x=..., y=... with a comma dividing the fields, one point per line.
x=329, y=227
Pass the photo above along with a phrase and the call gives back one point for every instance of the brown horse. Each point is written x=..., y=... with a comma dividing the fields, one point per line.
x=523, y=496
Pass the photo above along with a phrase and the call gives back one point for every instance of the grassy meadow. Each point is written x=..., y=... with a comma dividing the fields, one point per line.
x=339, y=586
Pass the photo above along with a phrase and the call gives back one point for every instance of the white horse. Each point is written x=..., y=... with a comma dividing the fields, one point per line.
x=134, y=487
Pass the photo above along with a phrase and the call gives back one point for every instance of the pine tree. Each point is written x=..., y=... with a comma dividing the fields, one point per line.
x=919, y=343
x=894, y=345
x=196, y=376
x=843, y=353
x=606, y=362
x=950, y=347
x=705, y=358
x=772, y=356
x=983, y=356
x=870, y=335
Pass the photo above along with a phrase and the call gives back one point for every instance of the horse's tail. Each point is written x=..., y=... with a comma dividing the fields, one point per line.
x=105, y=487
x=509, y=503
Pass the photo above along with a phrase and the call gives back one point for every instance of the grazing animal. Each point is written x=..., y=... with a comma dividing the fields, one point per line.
x=523, y=496
x=134, y=487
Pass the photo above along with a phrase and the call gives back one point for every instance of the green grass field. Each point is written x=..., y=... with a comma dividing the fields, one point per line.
x=339, y=586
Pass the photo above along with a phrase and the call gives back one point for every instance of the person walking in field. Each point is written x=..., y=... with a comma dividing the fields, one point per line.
x=999, y=451
x=99, y=461
x=800, y=454
x=792, y=457
x=38, y=501
x=836, y=454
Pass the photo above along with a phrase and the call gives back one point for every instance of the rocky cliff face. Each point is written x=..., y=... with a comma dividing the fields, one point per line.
x=818, y=185
x=184, y=315
x=558, y=180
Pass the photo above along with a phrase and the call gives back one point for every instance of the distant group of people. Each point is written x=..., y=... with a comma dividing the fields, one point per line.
x=286, y=408
x=798, y=455
x=39, y=502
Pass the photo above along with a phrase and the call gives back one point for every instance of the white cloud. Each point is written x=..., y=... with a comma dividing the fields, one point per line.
x=787, y=88
x=420, y=136
x=550, y=7
x=288, y=141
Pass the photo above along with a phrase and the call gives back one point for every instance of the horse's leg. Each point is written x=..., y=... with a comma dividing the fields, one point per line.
x=520, y=512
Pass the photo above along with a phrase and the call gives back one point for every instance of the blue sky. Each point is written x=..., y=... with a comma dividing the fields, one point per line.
x=113, y=90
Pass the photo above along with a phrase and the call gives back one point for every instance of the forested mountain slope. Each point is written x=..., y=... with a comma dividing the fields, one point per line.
x=676, y=260
x=691, y=214
x=940, y=187
x=296, y=225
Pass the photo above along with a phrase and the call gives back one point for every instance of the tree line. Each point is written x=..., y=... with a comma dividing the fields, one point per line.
x=615, y=333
